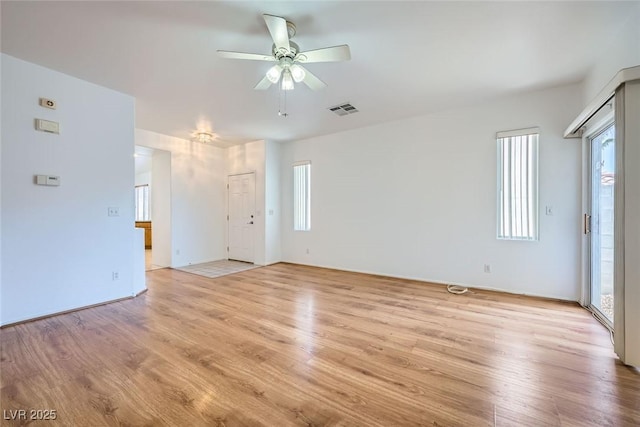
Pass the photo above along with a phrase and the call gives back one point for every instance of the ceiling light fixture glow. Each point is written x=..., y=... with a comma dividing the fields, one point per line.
x=274, y=73
x=287, y=81
x=297, y=72
x=203, y=137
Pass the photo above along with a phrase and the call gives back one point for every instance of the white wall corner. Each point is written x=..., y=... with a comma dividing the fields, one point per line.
x=84, y=256
x=622, y=52
x=1, y=144
x=251, y=158
x=414, y=198
x=197, y=197
x=139, y=276
x=273, y=205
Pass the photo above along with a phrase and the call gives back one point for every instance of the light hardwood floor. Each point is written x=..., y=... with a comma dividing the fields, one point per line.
x=294, y=345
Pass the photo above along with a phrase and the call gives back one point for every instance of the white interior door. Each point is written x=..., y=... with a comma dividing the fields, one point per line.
x=242, y=203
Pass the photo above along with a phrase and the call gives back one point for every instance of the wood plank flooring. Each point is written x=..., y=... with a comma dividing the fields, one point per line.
x=293, y=345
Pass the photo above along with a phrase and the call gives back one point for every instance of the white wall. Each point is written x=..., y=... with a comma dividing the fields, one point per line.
x=59, y=247
x=417, y=198
x=198, y=209
x=262, y=158
x=247, y=158
x=143, y=178
x=139, y=276
x=631, y=240
x=1, y=143
x=273, y=252
x=161, y=208
x=623, y=52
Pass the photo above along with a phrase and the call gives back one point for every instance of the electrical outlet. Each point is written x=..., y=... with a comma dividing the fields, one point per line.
x=115, y=275
x=487, y=268
x=113, y=211
x=307, y=251
x=549, y=210
x=177, y=251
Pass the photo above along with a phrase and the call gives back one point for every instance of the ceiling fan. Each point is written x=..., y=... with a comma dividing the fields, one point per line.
x=288, y=58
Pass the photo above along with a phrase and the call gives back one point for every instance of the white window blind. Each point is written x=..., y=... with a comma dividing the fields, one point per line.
x=518, y=184
x=142, y=203
x=302, y=196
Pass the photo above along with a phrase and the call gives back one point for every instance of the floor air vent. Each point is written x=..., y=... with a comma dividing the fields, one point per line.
x=343, y=109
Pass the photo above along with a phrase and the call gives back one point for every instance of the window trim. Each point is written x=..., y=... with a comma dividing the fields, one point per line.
x=501, y=138
x=305, y=224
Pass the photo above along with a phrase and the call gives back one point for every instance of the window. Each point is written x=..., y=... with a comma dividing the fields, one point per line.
x=302, y=196
x=142, y=203
x=518, y=184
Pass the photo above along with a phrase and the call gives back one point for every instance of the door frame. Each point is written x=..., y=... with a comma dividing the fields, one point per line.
x=592, y=131
x=161, y=253
x=227, y=233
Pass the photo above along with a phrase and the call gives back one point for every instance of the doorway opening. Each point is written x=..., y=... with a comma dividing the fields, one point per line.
x=153, y=204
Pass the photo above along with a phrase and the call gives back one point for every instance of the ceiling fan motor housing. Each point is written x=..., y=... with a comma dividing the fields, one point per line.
x=289, y=60
x=279, y=54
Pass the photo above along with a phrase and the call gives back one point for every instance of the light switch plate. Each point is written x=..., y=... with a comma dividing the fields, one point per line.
x=49, y=180
x=47, y=126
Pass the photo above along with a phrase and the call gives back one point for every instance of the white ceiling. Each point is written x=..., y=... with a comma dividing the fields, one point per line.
x=408, y=58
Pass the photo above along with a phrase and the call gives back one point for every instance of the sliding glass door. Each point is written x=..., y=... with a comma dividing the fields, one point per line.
x=601, y=222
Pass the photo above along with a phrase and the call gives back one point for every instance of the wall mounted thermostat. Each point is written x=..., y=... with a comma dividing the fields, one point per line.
x=47, y=126
x=49, y=180
x=48, y=103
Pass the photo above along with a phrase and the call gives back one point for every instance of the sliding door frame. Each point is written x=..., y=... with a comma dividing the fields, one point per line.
x=587, y=297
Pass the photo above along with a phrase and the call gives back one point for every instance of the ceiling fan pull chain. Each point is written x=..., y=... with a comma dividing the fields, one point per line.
x=282, y=106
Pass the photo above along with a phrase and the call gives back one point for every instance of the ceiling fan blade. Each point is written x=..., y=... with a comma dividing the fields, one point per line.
x=263, y=84
x=278, y=29
x=241, y=55
x=327, y=54
x=312, y=81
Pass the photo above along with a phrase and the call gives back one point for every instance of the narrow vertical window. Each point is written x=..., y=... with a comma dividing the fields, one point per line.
x=302, y=196
x=142, y=203
x=518, y=184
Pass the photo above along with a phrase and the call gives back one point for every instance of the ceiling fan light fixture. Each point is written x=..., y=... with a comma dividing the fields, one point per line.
x=297, y=72
x=274, y=73
x=285, y=56
x=287, y=81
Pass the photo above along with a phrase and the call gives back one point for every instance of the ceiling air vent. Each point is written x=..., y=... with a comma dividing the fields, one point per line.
x=344, y=109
